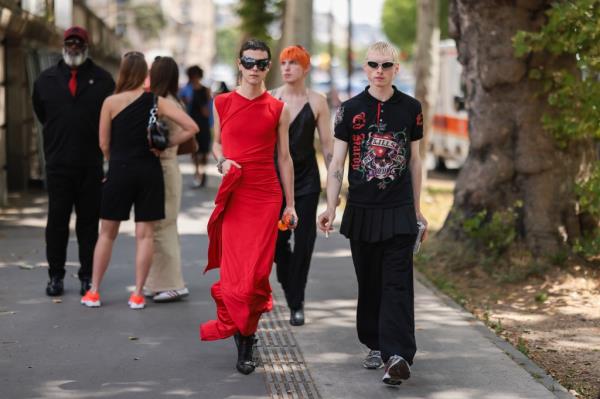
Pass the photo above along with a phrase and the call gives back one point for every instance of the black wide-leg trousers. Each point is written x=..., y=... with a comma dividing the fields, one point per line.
x=293, y=265
x=68, y=187
x=385, y=318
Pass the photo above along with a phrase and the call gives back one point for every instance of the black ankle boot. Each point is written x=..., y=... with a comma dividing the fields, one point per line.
x=297, y=316
x=245, y=363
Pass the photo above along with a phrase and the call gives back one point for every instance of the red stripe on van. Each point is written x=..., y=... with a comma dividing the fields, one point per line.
x=451, y=125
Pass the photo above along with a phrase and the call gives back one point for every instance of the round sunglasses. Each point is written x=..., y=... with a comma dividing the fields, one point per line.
x=384, y=65
x=249, y=63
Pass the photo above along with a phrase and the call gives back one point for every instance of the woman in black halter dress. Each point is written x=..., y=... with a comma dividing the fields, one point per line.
x=135, y=175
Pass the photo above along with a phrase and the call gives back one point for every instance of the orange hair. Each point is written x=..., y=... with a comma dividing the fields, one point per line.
x=296, y=53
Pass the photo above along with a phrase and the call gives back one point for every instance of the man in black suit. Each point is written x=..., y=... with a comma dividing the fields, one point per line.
x=67, y=99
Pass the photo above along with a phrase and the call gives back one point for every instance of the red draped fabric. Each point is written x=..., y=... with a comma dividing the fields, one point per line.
x=242, y=229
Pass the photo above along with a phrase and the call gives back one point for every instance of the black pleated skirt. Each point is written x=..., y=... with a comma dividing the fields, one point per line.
x=378, y=224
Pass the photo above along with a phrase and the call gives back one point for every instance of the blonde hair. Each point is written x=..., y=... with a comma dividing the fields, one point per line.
x=384, y=48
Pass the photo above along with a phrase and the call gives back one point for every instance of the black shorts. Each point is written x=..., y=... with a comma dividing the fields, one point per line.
x=138, y=183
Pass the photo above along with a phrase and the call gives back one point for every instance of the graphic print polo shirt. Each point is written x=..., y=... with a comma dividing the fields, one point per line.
x=379, y=134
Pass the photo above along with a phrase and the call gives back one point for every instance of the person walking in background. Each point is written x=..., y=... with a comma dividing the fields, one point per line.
x=379, y=129
x=165, y=281
x=242, y=230
x=135, y=175
x=67, y=99
x=199, y=110
x=309, y=110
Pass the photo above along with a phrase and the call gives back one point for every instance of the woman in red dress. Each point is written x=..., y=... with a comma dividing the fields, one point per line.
x=248, y=124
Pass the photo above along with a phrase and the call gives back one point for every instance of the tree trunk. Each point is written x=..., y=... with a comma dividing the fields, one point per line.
x=297, y=28
x=427, y=63
x=511, y=157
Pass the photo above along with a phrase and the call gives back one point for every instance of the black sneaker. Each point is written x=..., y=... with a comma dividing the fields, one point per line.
x=373, y=361
x=396, y=370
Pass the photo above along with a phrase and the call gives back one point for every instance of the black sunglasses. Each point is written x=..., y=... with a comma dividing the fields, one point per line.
x=249, y=63
x=384, y=65
x=74, y=43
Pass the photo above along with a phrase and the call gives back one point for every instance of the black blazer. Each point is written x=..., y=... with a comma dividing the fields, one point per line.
x=71, y=122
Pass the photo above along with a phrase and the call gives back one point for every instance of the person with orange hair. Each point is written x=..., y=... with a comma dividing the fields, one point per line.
x=309, y=110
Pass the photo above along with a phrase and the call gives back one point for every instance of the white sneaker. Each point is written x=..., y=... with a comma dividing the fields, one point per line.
x=171, y=295
x=396, y=370
x=147, y=293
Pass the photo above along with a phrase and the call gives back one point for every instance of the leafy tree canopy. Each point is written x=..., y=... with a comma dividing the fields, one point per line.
x=149, y=20
x=257, y=16
x=399, y=20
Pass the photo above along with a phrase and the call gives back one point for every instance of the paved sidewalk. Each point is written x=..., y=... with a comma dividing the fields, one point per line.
x=51, y=349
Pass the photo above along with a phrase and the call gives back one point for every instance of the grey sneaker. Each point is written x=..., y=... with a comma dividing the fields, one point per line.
x=396, y=370
x=373, y=361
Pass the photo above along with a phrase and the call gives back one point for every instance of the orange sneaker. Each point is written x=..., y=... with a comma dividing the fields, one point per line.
x=136, y=301
x=91, y=299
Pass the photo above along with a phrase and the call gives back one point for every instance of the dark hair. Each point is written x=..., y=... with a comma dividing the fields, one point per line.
x=255, y=44
x=132, y=72
x=194, y=71
x=164, y=77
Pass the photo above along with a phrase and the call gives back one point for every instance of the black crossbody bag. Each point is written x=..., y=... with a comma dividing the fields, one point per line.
x=158, y=132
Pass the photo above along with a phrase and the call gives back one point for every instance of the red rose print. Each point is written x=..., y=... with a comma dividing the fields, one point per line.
x=359, y=121
x=420, y=119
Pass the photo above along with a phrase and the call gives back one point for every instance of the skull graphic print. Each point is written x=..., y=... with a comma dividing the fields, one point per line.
x=384, y=155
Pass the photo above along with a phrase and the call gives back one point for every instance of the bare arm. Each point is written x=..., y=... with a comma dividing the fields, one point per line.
x=170, y=110
x=335, y=177
x=324, y=129
x=335, y=173
x=217, y=151
x=416, y=173
x=284, y=159
x=104, y=128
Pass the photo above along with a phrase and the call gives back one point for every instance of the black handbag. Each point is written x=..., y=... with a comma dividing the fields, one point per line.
x=158, y=132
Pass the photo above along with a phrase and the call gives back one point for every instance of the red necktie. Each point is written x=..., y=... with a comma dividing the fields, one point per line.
x=73, y=82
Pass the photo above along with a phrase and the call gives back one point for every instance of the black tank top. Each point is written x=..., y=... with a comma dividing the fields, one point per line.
x=306, y=170
x=129, y=135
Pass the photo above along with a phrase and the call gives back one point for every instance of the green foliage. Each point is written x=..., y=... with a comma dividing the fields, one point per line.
x=589, y=191
x=522, y=346
x=541, y=297
x=493, y=233
x=149, y=20
x=256, y=16
x=572, y=31
x=399, y=21
x=588, y=246
x=228, y=40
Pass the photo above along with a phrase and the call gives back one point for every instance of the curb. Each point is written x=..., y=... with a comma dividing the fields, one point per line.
x=538, y=373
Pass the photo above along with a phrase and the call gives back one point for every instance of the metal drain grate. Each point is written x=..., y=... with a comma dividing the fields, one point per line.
x=286, y=373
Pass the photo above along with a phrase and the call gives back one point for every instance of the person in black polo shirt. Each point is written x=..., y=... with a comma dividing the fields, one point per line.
x=379, y=129
x=67, y=99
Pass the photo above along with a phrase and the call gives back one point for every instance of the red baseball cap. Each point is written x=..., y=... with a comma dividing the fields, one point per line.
x=76, y=31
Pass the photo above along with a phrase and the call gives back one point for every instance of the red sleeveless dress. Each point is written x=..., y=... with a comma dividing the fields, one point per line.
x=242, y=229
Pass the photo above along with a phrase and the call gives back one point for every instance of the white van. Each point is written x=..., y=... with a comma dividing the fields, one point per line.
x=449, y=141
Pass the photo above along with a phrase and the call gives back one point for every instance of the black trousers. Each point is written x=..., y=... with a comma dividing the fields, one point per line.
x=69, y=187
x=292, y=266
x=385, y=318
